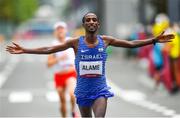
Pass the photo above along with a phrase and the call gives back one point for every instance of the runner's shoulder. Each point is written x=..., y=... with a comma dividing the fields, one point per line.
x=106, y=38
x=73, y=40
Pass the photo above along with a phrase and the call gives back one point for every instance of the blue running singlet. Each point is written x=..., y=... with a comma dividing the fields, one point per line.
x=90, y=67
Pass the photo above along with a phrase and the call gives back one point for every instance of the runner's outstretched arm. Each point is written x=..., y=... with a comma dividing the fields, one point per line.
x=138, y=43
x=17, y=49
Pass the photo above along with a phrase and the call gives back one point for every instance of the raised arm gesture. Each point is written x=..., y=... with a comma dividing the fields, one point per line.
x=139, y=43
x=17, y=49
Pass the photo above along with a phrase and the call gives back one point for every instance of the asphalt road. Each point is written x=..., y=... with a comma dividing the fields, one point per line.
x=27, y=89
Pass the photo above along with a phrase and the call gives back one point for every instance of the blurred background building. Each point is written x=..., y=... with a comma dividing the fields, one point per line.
x=117, y=16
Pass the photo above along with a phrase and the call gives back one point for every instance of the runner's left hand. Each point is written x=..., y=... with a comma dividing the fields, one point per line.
x=164, y=38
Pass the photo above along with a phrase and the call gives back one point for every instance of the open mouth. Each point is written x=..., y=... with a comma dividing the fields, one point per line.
x=92, y=29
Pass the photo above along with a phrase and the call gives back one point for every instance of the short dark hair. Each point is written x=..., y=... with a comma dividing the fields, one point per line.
x=83, y=19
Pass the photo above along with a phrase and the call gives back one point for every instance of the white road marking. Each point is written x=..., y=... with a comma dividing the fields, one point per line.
x=6, y=72
x=2, y=79
x=139, y=98
x=20, y=97
x=2, y=52
x=169, y=112
x=176, y=116
x=133, y=95
x=52, y=96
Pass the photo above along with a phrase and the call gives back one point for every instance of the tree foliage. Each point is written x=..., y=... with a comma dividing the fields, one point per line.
x=17, y=10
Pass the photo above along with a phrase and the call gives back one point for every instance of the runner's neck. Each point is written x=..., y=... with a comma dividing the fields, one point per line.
x=91, y=39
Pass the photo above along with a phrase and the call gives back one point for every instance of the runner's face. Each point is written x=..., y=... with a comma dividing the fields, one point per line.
x=91, y=23
x=61, y=32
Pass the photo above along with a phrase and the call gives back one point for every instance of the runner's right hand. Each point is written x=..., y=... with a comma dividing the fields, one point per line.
x=15, y=49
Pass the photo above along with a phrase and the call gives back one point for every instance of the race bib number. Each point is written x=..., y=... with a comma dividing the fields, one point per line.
x=90, y=69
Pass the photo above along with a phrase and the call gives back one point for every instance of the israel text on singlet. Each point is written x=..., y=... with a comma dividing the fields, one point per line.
x=90, y=67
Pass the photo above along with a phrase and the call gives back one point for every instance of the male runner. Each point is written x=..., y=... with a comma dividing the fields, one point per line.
x=63, y=64
x=91, y=90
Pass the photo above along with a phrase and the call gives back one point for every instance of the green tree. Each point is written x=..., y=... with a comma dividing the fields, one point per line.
x=17, y=11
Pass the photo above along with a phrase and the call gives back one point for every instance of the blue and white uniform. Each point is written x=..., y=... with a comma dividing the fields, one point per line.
x=90, y=66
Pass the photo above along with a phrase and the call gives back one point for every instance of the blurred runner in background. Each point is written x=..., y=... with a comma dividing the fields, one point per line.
x=63, y=64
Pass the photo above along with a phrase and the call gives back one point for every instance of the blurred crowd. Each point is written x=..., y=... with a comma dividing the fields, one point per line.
x=162, y=60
